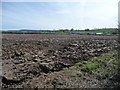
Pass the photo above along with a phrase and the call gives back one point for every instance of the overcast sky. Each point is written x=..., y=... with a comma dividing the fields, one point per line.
x=60, y=15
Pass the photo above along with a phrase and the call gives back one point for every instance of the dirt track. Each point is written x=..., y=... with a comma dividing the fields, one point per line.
x=32, y=55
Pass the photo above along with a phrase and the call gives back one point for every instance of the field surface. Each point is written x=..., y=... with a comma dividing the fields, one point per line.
x=58, y=61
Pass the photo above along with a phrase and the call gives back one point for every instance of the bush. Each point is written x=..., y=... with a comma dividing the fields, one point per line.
x=86, y=29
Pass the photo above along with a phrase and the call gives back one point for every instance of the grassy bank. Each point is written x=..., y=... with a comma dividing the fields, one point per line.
x=100, y=67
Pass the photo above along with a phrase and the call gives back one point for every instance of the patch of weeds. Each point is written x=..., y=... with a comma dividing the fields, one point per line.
x=78, y=65
x=89, y=67
x=102, y=66
x=86, y=67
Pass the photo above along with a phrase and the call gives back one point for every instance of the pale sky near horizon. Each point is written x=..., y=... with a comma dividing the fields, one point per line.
x=60, y=15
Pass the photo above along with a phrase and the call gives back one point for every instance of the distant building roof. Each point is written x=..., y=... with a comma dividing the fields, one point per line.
x=99, y=33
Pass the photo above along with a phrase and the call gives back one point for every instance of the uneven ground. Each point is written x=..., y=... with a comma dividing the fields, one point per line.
x=62, y=61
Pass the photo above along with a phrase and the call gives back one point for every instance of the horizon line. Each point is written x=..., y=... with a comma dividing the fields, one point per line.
x=59, y=29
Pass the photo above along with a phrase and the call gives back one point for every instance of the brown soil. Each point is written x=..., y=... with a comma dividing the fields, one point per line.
x=40, y=60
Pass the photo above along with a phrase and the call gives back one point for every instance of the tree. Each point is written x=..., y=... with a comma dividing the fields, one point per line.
x=72, y=29
x=86, y=29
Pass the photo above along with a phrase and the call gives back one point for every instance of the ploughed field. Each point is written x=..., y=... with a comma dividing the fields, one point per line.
x=37, y=60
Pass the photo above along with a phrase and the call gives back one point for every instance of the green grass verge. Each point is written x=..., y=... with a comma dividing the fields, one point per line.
x=101, y=67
